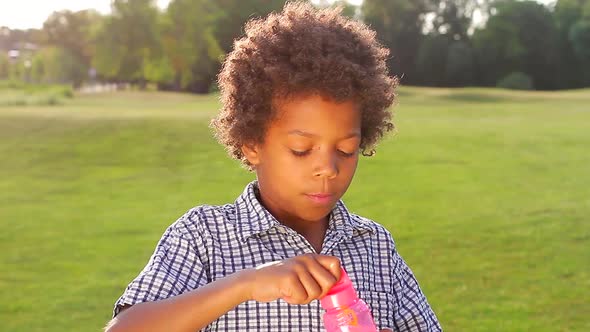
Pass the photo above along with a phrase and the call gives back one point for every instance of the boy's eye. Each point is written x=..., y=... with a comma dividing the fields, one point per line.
x=304, y=153
x=346, y=154
x=300, y=153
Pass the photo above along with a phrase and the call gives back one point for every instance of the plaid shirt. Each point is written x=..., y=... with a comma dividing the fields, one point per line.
x=210, y=242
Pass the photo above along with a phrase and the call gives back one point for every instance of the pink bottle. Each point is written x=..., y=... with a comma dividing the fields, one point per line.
x=345, y=312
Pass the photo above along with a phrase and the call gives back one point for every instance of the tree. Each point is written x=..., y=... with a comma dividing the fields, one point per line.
x=73, y=31
x=196, y=34
x=5, y=42
x=455, y=17
x=190, y=47
x=498, y=51
x=460, y=65
x=579, y=36
x=38, y=68
x=14, y=39
x=580, y=40
x=160, y=71
x=432, y=60
x=4, y=66
x=348, y=9
x=399, y=26
x=567, y=14
x=57, y=65
x=520, y=36
x=229, y=25
x=128, y=40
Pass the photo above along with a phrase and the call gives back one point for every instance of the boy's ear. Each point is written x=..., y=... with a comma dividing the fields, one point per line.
x=251, y=153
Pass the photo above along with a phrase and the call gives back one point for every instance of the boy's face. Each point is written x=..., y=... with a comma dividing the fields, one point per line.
x=308, y=158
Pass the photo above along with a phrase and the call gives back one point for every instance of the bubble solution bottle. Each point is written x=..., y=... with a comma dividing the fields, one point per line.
x=345, y=312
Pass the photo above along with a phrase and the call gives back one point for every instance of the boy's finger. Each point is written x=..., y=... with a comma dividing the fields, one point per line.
x=331, y=264
x=323, y=277
x=311, y=285
x=293, y=291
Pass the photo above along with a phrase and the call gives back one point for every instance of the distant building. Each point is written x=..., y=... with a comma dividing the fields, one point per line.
x=13, y=54
x=22, y=49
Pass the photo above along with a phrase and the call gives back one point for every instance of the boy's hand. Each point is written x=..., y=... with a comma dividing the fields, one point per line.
x=297, y=280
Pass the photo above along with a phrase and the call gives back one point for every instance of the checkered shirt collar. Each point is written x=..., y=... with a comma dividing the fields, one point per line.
x=252, y=218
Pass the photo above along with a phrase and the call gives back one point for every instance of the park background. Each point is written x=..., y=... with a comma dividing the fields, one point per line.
x=485, y=184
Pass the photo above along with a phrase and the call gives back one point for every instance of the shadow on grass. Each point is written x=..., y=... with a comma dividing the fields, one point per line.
x=472, y=97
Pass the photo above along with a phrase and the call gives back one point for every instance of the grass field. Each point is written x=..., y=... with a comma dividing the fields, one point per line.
x=487, y=193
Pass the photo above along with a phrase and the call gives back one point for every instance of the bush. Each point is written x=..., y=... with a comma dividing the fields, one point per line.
x=4, y=66
x=65, y=91
x=516, y=81
x=11, y=85
x=49, y=99
x=18, y=93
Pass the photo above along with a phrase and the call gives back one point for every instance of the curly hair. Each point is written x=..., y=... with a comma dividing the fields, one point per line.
x=297, y=52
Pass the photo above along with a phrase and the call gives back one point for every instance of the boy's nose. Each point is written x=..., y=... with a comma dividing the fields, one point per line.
x=327, y=166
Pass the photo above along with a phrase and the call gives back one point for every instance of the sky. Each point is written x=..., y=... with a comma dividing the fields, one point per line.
x=23, y=14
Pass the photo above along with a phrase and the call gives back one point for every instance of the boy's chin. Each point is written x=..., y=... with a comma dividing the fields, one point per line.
x=316, y=214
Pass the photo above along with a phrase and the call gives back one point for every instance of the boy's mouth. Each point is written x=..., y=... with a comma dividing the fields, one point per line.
x=320, y=198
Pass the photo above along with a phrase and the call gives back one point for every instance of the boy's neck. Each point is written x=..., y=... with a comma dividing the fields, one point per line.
x=314, y=232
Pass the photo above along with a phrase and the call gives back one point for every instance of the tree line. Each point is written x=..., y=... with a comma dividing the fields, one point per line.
x=442, y=43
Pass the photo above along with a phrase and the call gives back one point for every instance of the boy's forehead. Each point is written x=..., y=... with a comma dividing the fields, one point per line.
x=299, y=132
x=310, y=103
x=308, y=116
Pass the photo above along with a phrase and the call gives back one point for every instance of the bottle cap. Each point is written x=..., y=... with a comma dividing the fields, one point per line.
x=342, y=294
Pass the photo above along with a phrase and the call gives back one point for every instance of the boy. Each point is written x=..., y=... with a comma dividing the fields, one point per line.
x=304, y=93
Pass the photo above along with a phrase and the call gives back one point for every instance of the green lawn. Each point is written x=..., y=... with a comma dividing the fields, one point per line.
x=487, y=193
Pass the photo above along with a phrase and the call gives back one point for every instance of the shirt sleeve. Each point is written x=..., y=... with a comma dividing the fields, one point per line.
x=412, y=313
x=176, y=266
